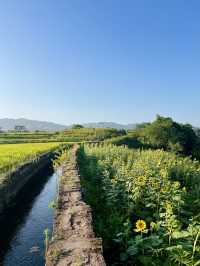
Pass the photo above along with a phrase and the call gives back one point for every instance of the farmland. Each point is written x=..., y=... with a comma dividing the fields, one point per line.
x=145, y=204
x=18, y=147
x=14, y=155
x=68, y=135
x=143, y=187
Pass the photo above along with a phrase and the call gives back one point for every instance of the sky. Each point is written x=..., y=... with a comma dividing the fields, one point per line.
x=76, y=61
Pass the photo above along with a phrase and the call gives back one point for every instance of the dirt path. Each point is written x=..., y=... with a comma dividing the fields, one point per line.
x=74, y=242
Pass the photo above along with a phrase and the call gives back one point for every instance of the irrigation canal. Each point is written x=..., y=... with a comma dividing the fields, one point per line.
x=22, y=228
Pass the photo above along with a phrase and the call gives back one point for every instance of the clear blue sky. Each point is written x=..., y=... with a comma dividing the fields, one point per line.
x=72, y=61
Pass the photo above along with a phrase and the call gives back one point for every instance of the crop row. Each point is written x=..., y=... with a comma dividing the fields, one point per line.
x=69, y=135
x=14, y=155
x=145, y=204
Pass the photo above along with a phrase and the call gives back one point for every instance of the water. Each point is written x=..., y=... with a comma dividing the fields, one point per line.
x=22, y=232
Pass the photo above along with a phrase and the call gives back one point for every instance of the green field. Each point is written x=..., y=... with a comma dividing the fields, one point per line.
x=143, y=186
x=18, y=147
x=13, y=155
x=69, y=135
x=145, y=204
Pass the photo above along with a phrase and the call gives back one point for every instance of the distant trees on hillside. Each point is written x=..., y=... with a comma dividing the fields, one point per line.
x=20, y=128
x=169, y=135
x=77, y=126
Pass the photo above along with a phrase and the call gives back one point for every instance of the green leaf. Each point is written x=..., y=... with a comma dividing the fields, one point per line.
x=132, y=250
x=172, y=248
x=180, y=234
x=150, y=205
x=155, y=240
x=145, y=260
x=138, y=239
x=123, y=256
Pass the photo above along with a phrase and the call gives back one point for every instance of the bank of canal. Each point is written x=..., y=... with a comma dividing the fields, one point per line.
x=22, y=229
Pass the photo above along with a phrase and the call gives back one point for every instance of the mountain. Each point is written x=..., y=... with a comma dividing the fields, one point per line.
x=32, y=125
x=110, y=125
x=9, y=123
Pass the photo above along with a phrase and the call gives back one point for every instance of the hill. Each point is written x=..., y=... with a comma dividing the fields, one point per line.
x=109, y=125
x=32, y=125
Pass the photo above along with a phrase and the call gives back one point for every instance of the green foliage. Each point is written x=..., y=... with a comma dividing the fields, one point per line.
x=46, y=240
x=160, y=189
x=169, y=135
x=92, y=134
x=52, y=204
x=77, y=126
x=62, y=155
x=129, y=141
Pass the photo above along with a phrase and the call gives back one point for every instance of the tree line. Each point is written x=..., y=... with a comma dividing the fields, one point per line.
x=169, y=135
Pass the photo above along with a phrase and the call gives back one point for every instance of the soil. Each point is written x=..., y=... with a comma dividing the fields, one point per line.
x=73, y=242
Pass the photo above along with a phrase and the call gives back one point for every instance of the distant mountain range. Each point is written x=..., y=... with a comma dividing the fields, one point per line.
x=10, y=123
x=110, y=125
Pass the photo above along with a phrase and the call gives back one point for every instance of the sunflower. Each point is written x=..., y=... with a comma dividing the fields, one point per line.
x=140, y=226
x=142, y=180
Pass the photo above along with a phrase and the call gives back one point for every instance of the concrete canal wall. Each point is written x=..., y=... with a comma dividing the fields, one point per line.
x=16, y=180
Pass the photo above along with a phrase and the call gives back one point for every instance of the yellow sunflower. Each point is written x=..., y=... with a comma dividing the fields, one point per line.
x=140, y=226
x=142, y=180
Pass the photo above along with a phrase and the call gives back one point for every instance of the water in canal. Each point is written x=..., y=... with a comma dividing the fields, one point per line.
x=22, y=231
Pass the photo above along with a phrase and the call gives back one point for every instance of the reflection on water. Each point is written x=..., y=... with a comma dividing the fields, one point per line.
x=22, y=231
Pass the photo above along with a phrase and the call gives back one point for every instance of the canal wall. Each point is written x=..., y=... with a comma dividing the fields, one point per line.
x=16, y=180
x=73, y=242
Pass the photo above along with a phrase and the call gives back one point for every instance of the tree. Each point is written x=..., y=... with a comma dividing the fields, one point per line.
x=77, y=126
x=20, y=128
x=169, y=135
x=158, y=132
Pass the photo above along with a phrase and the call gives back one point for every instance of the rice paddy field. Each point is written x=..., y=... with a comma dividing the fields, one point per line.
x=68, y=135
x=14, y=155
